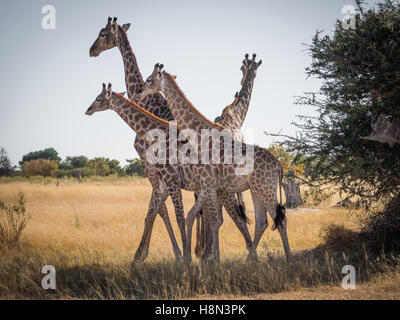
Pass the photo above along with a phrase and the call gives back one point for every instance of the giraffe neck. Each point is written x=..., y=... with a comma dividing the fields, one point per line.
x=244, y=99
x=133, y=78
x=185, y=115
x=155, y=104
x=233, y=115
x=139, y=119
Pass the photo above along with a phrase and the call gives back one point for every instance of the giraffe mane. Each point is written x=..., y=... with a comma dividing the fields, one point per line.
x=136, y=106
x=229, y=107
x=172, y=79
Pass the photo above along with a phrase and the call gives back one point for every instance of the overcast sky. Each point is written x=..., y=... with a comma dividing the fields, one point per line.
x=48, y=79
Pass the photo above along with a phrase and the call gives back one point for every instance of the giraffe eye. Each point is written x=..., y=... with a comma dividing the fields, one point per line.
x=98, y=99
x=149, y=81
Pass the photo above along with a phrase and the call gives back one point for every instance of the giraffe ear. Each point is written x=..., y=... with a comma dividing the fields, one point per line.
x=126, y=26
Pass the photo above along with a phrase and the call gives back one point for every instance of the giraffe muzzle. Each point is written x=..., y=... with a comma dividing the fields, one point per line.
x=92, y=53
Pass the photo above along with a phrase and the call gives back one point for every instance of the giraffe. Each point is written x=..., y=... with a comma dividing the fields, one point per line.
x=232, y=118
x=262, y=179
x=172, y=177
x=113, y=35
x=233, y=115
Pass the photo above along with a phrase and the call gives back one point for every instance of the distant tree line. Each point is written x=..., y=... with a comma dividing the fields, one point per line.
x=48, y=163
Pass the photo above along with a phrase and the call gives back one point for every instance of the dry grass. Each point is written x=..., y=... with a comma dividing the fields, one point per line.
x=90, y=231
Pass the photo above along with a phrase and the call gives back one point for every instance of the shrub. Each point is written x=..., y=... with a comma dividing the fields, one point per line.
x=13, y=220
x=382, y=228
x=48, y=154
x=42, y=167
x=379, y=232
x=134, y=167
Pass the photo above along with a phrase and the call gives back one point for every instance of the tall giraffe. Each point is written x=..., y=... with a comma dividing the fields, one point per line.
x=233, y=115
x=232, y=118
x=262, y=179
x=173, y=177
x=113, y=35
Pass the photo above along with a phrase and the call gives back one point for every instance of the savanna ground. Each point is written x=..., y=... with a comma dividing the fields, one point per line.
x=89, y=232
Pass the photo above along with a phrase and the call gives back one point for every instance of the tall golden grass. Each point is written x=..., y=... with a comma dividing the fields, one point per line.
x=89, y=231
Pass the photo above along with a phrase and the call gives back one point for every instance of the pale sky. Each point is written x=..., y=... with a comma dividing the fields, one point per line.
x=48, y=79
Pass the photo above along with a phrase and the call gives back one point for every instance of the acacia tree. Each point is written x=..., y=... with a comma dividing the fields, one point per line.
x=360, y=73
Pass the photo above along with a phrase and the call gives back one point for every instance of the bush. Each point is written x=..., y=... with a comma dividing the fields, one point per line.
x=379, y=232
x=99, y=165
x=42, y=167
x=382, y=229
x=13, y=220
x=337, y=237
x=48, y=154
x=287, y=160
x=134, y=167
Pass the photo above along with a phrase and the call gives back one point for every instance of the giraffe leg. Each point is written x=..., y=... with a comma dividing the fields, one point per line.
x=157, y=199
x=211, y=219
x=198, y=250
x=202, y=235
x=189, y=224
x=282, y=227
x=216, y=253
x=175, y=193
x=175, y=247
x=260, y=217
x=233, y=211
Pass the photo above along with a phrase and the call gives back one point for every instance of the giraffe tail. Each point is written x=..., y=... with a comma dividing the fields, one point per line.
x=242, y=214
x=280, y=208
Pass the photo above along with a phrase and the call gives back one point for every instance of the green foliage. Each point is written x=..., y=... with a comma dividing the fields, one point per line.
x=13, y=220
x=5, y=164
x=75, y=162
x=114, y=166
x=360, y=77
x=104, y=166
x=134, y=167
x=42, y=167
x=48, y=154
x=99, y=165
x=286, y=159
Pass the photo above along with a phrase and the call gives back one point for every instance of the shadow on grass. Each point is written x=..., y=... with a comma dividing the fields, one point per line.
x=88, y=277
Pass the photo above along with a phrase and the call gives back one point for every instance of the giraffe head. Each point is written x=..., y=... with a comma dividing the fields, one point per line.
x=154, y=82
x=102, y=101
x=249, y=67
x=108, y=37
